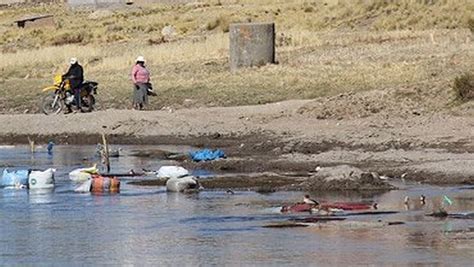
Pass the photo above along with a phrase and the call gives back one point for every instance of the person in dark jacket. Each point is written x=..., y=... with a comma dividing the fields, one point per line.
x=75, y=75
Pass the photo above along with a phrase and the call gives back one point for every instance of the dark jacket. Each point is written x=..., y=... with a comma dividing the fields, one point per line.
x=75, y=74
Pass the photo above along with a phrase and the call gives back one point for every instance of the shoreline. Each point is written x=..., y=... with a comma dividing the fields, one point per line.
x=435, y=149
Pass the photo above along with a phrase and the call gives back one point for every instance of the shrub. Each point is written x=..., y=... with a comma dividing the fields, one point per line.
x=464, y=86
x=114, y=28
x=156, y=41
x=308, y=9
x=211, y=25
x=222, y=22
x=114, y=37
x=470, y=24
x=71, y=38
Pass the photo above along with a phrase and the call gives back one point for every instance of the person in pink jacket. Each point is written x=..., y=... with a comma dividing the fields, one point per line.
x=141, y=83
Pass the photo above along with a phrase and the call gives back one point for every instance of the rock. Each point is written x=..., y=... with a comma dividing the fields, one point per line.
x=340, y=172
x=345, y=177
x=197, y=4
x=168, y=32
x=188, y=103
x=210, y=63
x=288, y=148
x=169, y=109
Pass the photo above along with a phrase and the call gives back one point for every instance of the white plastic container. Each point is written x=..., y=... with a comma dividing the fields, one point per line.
x=41, y=179
x=172, y=172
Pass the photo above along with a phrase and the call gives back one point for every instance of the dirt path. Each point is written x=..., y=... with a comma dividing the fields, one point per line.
x=435, y=148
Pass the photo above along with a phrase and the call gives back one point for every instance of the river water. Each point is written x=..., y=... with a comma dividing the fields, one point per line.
x=147, y=225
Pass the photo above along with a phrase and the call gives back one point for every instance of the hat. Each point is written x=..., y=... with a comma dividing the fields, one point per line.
x=140, y=59
x=73, y=60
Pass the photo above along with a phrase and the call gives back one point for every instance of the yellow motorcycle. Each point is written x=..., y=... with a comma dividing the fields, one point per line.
x=60, y=95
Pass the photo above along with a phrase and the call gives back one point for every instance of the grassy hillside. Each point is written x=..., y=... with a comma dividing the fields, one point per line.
x=324, y=48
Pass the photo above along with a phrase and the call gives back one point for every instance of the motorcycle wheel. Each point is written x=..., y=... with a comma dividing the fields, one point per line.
x=88, y=102
x=51, y=104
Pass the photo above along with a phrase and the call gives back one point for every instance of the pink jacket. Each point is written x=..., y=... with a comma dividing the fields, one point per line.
x=140, y=74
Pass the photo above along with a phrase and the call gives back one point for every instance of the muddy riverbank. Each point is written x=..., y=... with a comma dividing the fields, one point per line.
x=276, y=138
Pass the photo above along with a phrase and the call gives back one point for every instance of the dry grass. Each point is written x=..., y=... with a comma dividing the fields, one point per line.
x=323, y=49
x=137, y=24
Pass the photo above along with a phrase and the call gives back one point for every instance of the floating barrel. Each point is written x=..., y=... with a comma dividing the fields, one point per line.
x=102, y=184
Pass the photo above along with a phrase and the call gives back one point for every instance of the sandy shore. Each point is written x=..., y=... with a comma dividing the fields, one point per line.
x=276, y=137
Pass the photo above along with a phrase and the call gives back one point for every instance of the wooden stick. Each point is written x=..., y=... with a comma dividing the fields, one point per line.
x=105, y=153
x=32, y=145
x=123, y=175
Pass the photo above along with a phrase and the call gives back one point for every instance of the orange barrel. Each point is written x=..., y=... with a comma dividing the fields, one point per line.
x=102, y=184
x=114, y=185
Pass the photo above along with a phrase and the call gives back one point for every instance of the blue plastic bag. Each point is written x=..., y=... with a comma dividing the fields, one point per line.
x=12, y=178
x=207, y=154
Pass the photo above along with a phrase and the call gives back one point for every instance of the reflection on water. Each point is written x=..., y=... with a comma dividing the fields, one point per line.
x=146, y=225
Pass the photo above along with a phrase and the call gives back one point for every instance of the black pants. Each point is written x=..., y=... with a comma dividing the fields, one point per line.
x=77, y=97
x=76, y=90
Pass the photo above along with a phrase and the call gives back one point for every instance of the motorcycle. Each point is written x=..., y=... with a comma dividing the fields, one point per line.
x=60, y=95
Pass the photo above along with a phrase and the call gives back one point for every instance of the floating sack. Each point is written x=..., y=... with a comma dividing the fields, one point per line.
x=172, y=172
x=85, y=187
x=183, y=184
x=41, y=179
x=102, y=184
x=207, y=154
x=14, y=178
x=83, y=174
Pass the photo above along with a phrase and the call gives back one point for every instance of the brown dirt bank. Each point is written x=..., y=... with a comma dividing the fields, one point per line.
x=277, y=138
x=261, y=183
x=271, y=182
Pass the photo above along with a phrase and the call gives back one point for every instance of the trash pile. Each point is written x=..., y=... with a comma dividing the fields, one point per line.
x=179, y=179
x=334, y=212
x=90, y=180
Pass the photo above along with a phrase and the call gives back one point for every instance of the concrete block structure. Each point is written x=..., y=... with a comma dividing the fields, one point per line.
x=35, y=21
x=251, y=44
